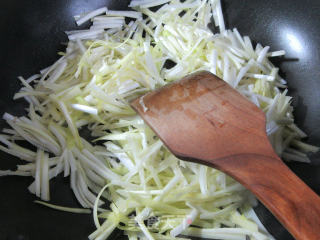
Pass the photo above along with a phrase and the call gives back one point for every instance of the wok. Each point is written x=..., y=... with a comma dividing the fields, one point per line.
x=31, y=35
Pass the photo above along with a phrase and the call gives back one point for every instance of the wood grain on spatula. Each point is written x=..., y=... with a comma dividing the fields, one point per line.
x=202, y=119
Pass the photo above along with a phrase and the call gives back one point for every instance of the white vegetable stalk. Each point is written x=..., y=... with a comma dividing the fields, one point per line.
x=129, y=14
x=185, y=223
x=85, y=34
x=86, y=109
x=115, y=61
x=90, y=15
x=147, y=3
x=65, y=209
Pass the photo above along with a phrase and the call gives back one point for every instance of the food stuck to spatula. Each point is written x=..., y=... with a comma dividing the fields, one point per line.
x=122, y=56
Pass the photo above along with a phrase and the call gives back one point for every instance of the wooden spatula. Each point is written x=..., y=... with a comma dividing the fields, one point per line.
x=202, y=119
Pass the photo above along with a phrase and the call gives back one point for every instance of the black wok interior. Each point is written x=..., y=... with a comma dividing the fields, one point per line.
x=31, y=35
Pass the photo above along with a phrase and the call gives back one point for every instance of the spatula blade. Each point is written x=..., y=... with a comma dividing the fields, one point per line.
x=203, y=117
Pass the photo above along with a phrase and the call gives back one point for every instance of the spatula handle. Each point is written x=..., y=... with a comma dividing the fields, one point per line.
x=292, y=202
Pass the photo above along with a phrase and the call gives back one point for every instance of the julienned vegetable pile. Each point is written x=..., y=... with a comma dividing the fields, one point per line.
x=123, y=55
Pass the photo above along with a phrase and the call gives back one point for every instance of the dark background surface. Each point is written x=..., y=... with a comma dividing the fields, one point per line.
x=31, y=35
